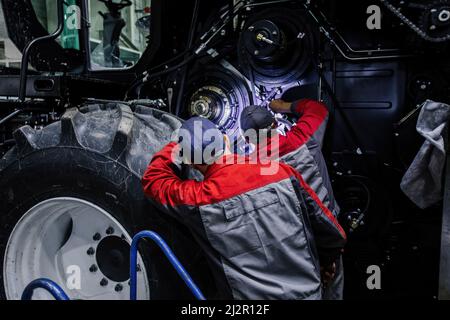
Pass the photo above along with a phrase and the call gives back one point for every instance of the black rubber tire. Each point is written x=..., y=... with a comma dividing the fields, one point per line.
x=98, y=153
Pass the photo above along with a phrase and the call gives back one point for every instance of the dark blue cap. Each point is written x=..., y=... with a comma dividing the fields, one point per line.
x=256, y=117
x=201, y=141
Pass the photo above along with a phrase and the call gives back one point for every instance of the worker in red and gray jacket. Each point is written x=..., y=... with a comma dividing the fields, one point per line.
x=264, y=234
x=300, y=148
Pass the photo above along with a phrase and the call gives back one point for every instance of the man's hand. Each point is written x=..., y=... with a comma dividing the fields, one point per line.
x=328, y=273
x=280, y=106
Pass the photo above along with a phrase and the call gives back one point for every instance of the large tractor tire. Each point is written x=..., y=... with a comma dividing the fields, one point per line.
x=71, y=200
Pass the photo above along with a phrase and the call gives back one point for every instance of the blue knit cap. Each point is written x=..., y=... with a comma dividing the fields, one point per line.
x=201, y=141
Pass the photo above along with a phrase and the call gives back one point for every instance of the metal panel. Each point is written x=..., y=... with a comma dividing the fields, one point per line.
x=37, y=86
x=444, y=272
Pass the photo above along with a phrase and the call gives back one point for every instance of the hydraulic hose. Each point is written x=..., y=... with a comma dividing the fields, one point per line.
x=32, y=44
x=170, y=256
x=56, y=291
x=185, y=69
x=148, y=76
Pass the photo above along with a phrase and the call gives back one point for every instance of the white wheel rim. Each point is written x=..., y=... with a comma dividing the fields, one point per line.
x=44, y=245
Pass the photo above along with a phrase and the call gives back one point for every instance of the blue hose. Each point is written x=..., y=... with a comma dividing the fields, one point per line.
x=45, y=284
x=170, y=256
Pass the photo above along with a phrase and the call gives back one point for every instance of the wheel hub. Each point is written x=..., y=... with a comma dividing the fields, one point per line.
x=263, y=40
x=113, y=258
x=275, y=47
x=211, y=102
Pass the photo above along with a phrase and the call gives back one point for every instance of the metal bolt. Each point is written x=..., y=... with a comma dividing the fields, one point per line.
x=110, y=230
x=97, y=236
x=251, y=28
x=256, y=52
x=104, y=282
x=444, y=15
x=118, y=287
x=223, y=32
x=90, y=251
x=93, y=268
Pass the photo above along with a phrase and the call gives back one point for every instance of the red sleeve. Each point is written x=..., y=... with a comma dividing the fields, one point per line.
x=162, y=184
x=312, y=115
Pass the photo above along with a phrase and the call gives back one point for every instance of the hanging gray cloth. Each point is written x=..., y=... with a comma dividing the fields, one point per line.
x=422, y=182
